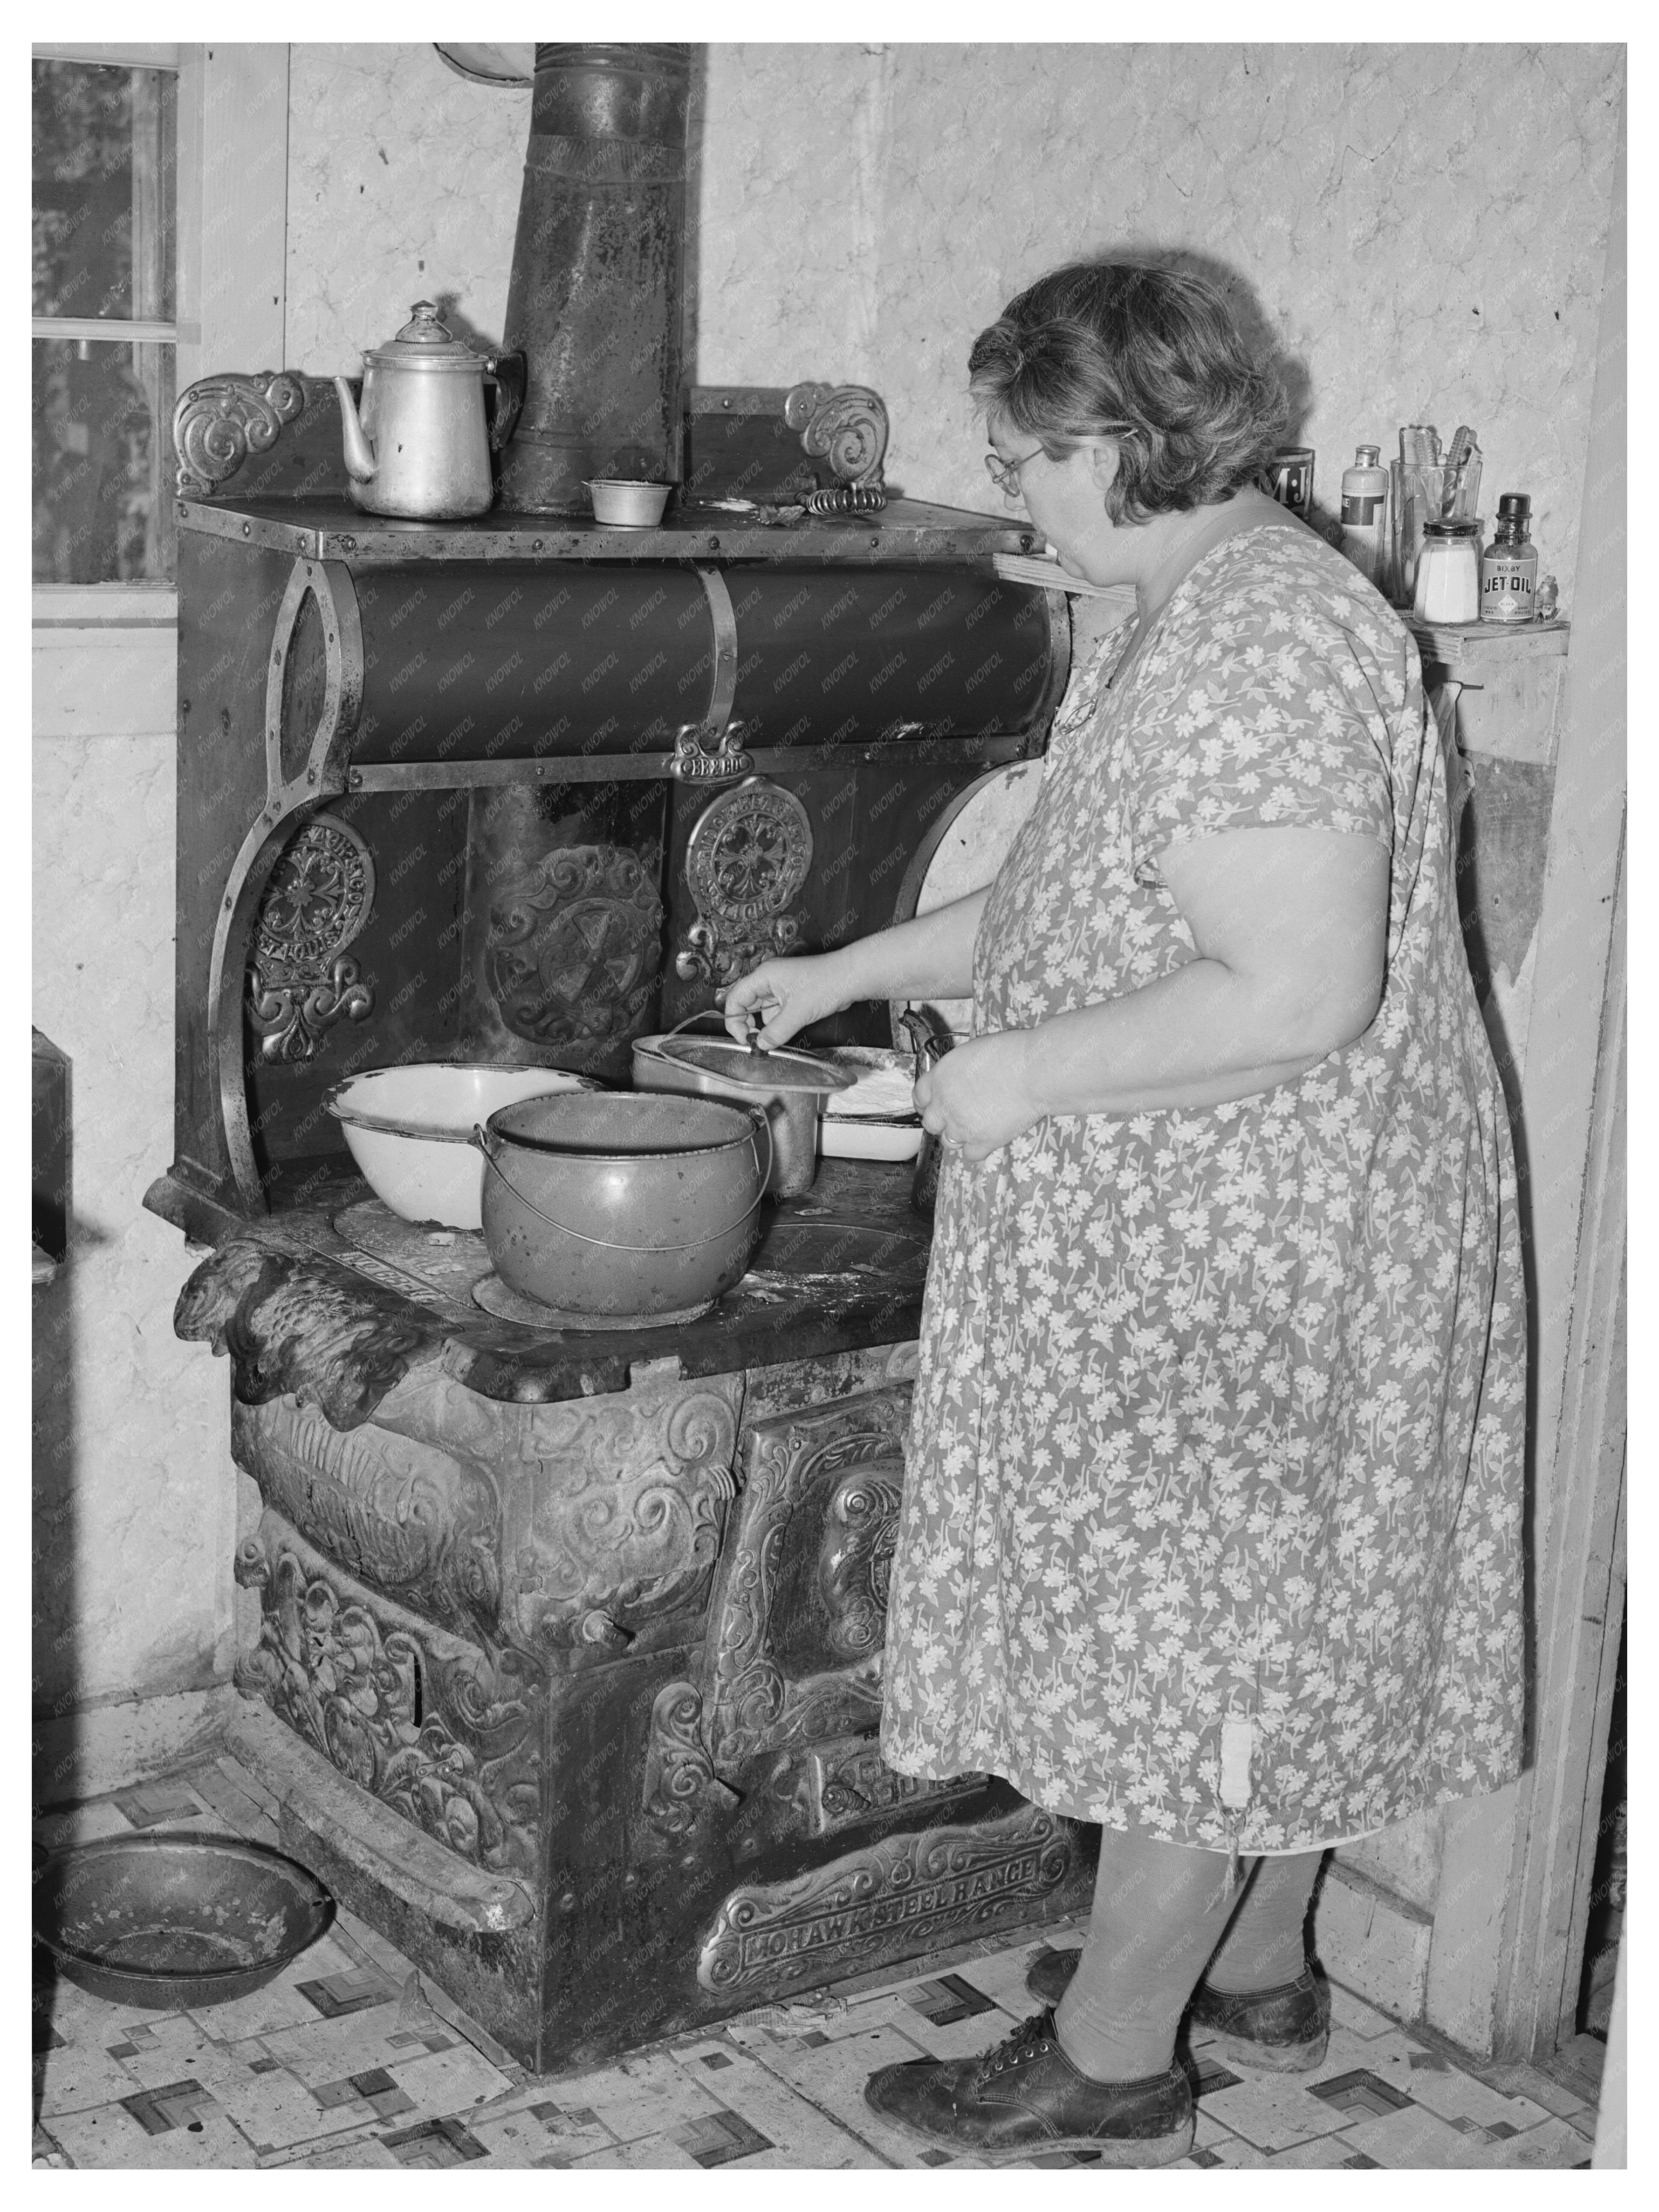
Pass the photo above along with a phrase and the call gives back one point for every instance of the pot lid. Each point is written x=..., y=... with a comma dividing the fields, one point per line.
x=425, y=342
x=735, y=1063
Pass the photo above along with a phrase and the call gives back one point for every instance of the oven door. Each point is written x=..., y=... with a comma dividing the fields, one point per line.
x=808, y=1858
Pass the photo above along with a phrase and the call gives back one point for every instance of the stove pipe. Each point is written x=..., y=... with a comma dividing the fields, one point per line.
x=599, y=265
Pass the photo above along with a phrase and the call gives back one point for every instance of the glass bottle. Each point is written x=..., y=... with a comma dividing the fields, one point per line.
x=1508, y=567
x=1365, y=512
x=1448, y=587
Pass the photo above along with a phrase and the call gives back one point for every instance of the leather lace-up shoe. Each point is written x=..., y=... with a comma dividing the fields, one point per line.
x=1049, y=1975
x=1282, y=2030
x=1025, y=2097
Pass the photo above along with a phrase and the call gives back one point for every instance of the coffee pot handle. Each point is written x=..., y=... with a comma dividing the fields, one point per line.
x=507, y=371
x=929, y=1046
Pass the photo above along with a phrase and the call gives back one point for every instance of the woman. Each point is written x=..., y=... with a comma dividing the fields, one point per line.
x=1211, y=1523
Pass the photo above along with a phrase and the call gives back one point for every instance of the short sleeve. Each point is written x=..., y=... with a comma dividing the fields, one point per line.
x=1262, y=707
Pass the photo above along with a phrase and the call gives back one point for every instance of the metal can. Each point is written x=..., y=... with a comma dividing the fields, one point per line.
x=1290, y=479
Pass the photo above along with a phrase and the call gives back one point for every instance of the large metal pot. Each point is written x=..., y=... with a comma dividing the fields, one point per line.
x=789, y=1087
x=615, y=1203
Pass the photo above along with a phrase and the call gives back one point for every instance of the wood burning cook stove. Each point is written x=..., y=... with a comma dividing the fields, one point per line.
x=562, y=1649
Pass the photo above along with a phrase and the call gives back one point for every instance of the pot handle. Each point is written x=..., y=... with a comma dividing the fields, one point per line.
x=714, y=1014
x=703, y=1014
x=510, y=372
x=483, y=1139
x=765, y=1120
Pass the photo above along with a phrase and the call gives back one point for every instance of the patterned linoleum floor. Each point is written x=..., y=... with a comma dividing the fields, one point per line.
x=352, y=2059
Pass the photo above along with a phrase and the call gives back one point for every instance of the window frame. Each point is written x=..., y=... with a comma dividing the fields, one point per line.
x=229, y=314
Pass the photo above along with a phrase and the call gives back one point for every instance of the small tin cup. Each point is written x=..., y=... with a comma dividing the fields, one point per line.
x=1290, y=479
x=616, y=499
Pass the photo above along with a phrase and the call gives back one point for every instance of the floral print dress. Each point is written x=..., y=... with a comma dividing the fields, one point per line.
x=1213, y=1512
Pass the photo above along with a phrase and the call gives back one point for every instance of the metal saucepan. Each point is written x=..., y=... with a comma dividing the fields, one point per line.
x=613, y=1202
x=788, y=1086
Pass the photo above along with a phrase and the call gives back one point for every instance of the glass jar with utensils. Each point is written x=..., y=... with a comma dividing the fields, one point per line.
x=1427, y=483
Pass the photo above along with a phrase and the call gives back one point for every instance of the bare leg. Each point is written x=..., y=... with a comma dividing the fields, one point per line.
x=1158, y=1912
x=1265, y=1947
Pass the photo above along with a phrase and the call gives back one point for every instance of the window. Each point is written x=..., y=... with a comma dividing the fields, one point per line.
x=159, y=238
x=105, y=339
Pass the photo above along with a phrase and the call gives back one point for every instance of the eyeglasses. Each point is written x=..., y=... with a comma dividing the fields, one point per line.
x=1005, y=474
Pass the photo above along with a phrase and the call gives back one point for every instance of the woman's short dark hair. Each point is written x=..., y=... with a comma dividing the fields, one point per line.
x=1100, y=345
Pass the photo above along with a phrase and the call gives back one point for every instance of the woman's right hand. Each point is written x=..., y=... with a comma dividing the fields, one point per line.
x=776, y=1001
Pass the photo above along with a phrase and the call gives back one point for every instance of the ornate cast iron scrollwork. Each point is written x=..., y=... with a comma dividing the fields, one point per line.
x=857, y=1557
x=847, y=1783
x=432, y=1726
x=773, y=1939
x=299, y=982
x=681, y=1785
x=692, y=763
x=853, y=1451
x=251, y=1568
x=845, y=424
x=420, y=1524
x=627, y=1505
x=574, y=944
x=747, y=859
x=292, y=794
x=221, y=420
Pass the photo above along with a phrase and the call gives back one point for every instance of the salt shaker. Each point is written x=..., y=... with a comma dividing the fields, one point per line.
x=1448, y=587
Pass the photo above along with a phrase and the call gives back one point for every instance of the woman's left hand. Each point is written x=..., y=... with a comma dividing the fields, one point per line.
x=979, y=1097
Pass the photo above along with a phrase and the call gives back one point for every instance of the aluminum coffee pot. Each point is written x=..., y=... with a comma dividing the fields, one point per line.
x=418, y=443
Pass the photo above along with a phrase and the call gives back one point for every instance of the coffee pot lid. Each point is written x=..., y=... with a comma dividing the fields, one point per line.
x=424, y=342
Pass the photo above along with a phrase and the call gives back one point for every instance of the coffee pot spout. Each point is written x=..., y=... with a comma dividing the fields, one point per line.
x=360, y=460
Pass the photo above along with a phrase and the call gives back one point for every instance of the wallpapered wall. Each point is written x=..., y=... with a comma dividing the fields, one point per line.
x=1422, y=227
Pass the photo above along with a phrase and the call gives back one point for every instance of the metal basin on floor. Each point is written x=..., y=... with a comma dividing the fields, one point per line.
x=167, y=1921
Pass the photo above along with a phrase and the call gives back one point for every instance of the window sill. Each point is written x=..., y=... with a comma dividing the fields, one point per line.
x=104, y=606
x=104, y=662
